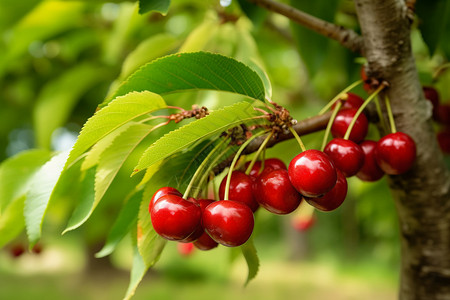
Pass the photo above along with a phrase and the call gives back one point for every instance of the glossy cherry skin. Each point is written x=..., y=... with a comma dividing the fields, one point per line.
x=199, y=231
x=343, y=120
x=432, y=95
x=370, y=171
x=334, y=198
x=175, y=218
x=395, y=153
x=443, y=138
x=161, y=192
x=269, y=165
x=346, y=155
x=228, y=222
x=312, y=173
x=352, y=101
x=241, y=189
x=202, y=240
x=276, y=193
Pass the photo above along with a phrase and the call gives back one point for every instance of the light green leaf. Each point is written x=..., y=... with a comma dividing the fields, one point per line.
x=194, y=71
x=16, y=173
x=58, y=98
x=137, y=273
x=124, y=223
x=84, y=208
x=161, y=6
x=119, y=112
x=201, y=35
x=39, y=195
x=187, y=135
x=11, y=221
x=251, y=257
x=12, y=11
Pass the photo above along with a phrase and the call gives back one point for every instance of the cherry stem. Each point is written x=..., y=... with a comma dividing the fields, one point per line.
x=339, y=96
x=201, y=167
x=297, y=137
x=330, y=123
x=235, y=159
x=380, y=114
x=360, y=110
x=390, y=115
x=258, y=152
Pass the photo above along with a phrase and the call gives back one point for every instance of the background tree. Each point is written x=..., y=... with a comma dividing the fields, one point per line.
x=55, y=70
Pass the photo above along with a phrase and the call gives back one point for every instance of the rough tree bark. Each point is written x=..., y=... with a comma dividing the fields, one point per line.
x=422, y=195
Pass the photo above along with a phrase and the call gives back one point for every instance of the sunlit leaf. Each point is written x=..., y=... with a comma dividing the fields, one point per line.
x=161, y=6
x=251, y=257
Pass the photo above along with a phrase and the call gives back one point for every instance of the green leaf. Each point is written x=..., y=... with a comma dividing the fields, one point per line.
x=254, y=12
x=251, y=257
x=124, y=223
x=39, y=195
x=161, y=6
x=187, y=135
x=194, y=71
x=58, y=98
x=11, y=221
x=119, y=112
x=137, y=273
x=16, y=173
x=433, y=16
x=12, y=11
x=313, y=47
x=87, y=196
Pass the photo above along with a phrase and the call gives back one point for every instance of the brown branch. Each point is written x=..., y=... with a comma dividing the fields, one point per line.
x=347, y=37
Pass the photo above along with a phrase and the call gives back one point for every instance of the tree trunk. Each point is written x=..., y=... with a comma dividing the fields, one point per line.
x=422, y=195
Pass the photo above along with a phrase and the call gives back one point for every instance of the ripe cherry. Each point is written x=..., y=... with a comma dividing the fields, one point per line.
x=241, y=189
x=17, y=250
x=276, y=193
x=443, y=114
x=185, y=249
x=228, y=222
x=443, y=138
x=370, y=170
x=269, y=165
x=175, y=218
x=395, y=153
x=346, y=155
x=432, y=95
x=312, y=173
x=334, y=198
x=303, y=224
x=161, y=192
x=352, y=101
x=343, y=120
x=204, y=241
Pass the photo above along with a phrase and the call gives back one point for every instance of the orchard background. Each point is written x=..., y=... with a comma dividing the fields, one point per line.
x=63, y=61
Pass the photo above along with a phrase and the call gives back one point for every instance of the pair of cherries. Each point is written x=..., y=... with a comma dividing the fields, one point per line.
x=204, y=222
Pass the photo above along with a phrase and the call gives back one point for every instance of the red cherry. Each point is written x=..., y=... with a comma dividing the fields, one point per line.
x=303, y=224
x=343, y=120
x=395, y=153
x=185, y=249
x=205, y=242
x=334, y=198
x=175, y=218
x=346, y=155
x=352, y=101
x=370, y=170
x=37, y=249
x=17, y=250
x=443, y=138
x=432, y=95
x=443, y=114
x=161, y=192
x=312, y=173
x=269, y=164
x=241, y=189
x=276, y=193
x=228, y=222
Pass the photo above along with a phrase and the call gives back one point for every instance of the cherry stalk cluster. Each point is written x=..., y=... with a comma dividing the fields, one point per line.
x=317, y=177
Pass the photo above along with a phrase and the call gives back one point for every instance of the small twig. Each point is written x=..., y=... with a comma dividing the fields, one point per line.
x=347, y=37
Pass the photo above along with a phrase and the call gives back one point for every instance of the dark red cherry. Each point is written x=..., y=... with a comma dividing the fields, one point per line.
x=370, y=170
x=205, y=242
x=334, y=198
x=432, y=95
x=352, y=101
x=241, y=189
x=312, y=173
x=343, y=120
x=276, y=193
x=17, y=250
x=269, y=165
x=346, y=155
x=228, y=222
x=199, y=231
x=395, y=153
x=161, y=192
x=443, y=114
x=443, y=138
x=175, y=218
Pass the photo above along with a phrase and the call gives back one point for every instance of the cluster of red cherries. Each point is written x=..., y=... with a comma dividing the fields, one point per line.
x=318, y=177
x=441, y=116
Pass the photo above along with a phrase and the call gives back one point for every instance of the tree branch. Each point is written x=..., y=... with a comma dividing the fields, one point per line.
x=348, y=38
